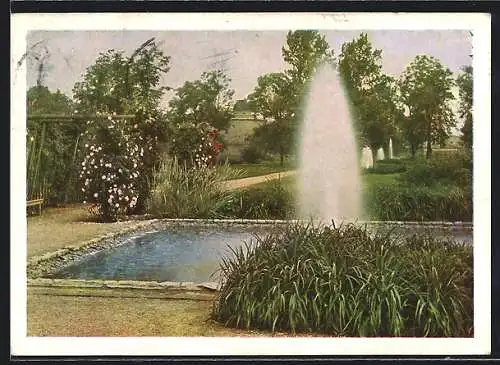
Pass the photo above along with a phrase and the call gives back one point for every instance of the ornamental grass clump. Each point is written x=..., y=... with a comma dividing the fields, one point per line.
x=181, y=191
x=346, y=281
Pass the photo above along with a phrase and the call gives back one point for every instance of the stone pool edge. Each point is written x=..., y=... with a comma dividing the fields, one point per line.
x=39, y=266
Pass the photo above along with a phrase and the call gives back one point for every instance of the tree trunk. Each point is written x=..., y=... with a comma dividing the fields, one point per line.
x=428, y=153
x=282, y=159
x=413, y=151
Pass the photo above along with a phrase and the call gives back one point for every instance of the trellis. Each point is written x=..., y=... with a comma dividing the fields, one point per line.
x=37, y=179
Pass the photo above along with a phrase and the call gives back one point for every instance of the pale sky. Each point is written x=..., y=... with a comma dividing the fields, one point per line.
x=246, y=54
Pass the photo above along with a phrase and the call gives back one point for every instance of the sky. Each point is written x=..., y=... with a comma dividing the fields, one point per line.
x=245, y=55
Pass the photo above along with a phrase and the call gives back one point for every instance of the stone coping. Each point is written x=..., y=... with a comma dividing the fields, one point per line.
x=123, y=288
x=40, y=266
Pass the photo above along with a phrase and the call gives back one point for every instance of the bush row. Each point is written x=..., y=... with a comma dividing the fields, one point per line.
x=420, y=203
x=347, y=282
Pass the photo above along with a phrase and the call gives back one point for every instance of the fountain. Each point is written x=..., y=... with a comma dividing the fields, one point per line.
x=380, y=154
x=391, y=154
x=329, y=180
x=366, y=157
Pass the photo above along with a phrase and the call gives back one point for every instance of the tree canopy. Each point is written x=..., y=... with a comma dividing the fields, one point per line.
x=426, y=92
x=372, y=94
x=464, y=83
x=206, y=100
x=278, y=97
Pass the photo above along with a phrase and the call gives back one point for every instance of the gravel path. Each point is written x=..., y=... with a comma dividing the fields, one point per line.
x=248, y=181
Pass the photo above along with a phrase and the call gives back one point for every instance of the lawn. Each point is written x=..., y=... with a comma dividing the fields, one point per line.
x=368, y=181
x=263, y=168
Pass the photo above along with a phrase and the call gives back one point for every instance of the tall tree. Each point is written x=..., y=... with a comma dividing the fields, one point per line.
x=278, y=97
x=372, y=94
x=426, y=91
x=464, y=82
x=273, y=100
x=199, y=109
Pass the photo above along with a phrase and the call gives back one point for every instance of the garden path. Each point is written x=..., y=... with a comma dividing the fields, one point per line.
x=248, y=181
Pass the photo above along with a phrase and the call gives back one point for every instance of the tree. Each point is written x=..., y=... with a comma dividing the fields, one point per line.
x=198, y=111
x=116, y=84
x=426, y=91
x=207, y=100
x=278, y=97
x=371, y=93
x=273, y=100
x=464, y=83
x=304, y=51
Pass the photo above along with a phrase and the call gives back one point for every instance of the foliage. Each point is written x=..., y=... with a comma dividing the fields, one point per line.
x=278, y=96
x=372, y=94
x=179, y=191
x=347, y=282
x=464, y=82
x=207, y=100
x=195, y=144
x=268, y=201
x=421, y=203
x=273, y=100
x=426, y=92
x=252, y=154
x=111, y=167
x=383, y=167
x=49, y=162
x=450, y=170
x=116, y=84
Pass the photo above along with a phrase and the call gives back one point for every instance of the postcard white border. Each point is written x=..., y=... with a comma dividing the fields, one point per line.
x=479, y=24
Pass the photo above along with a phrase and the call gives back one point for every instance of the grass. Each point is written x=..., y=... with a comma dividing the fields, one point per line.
x=61, y=227
x=346, y=282
x=263, y=168
x=104, y=316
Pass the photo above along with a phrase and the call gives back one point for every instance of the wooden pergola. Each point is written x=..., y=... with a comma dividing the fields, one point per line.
x=35, y=196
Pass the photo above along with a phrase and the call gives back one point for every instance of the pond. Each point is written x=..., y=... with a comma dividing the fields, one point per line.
x=185, y=254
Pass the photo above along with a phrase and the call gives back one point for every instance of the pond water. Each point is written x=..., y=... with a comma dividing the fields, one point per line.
x=184, y=254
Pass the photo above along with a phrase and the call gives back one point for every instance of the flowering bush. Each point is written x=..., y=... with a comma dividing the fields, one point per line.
x=196, y=145
x=112, y=165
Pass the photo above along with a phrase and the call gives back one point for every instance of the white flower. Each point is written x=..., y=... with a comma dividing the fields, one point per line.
x=96, y=195
x=117, y=205
x=103, y=177
x=83, y=189
x=83, y=163
x=120, y=171
x=126, y=198
x=84, y=202
x=109, y=117
x=86, y=145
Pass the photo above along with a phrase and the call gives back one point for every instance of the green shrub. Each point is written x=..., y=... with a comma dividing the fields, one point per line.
x=251, y=154
x=452, y=170
x=386, y=168
x=269, y=201
x=182, y=192
x=420, y=203
x=346, y=282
